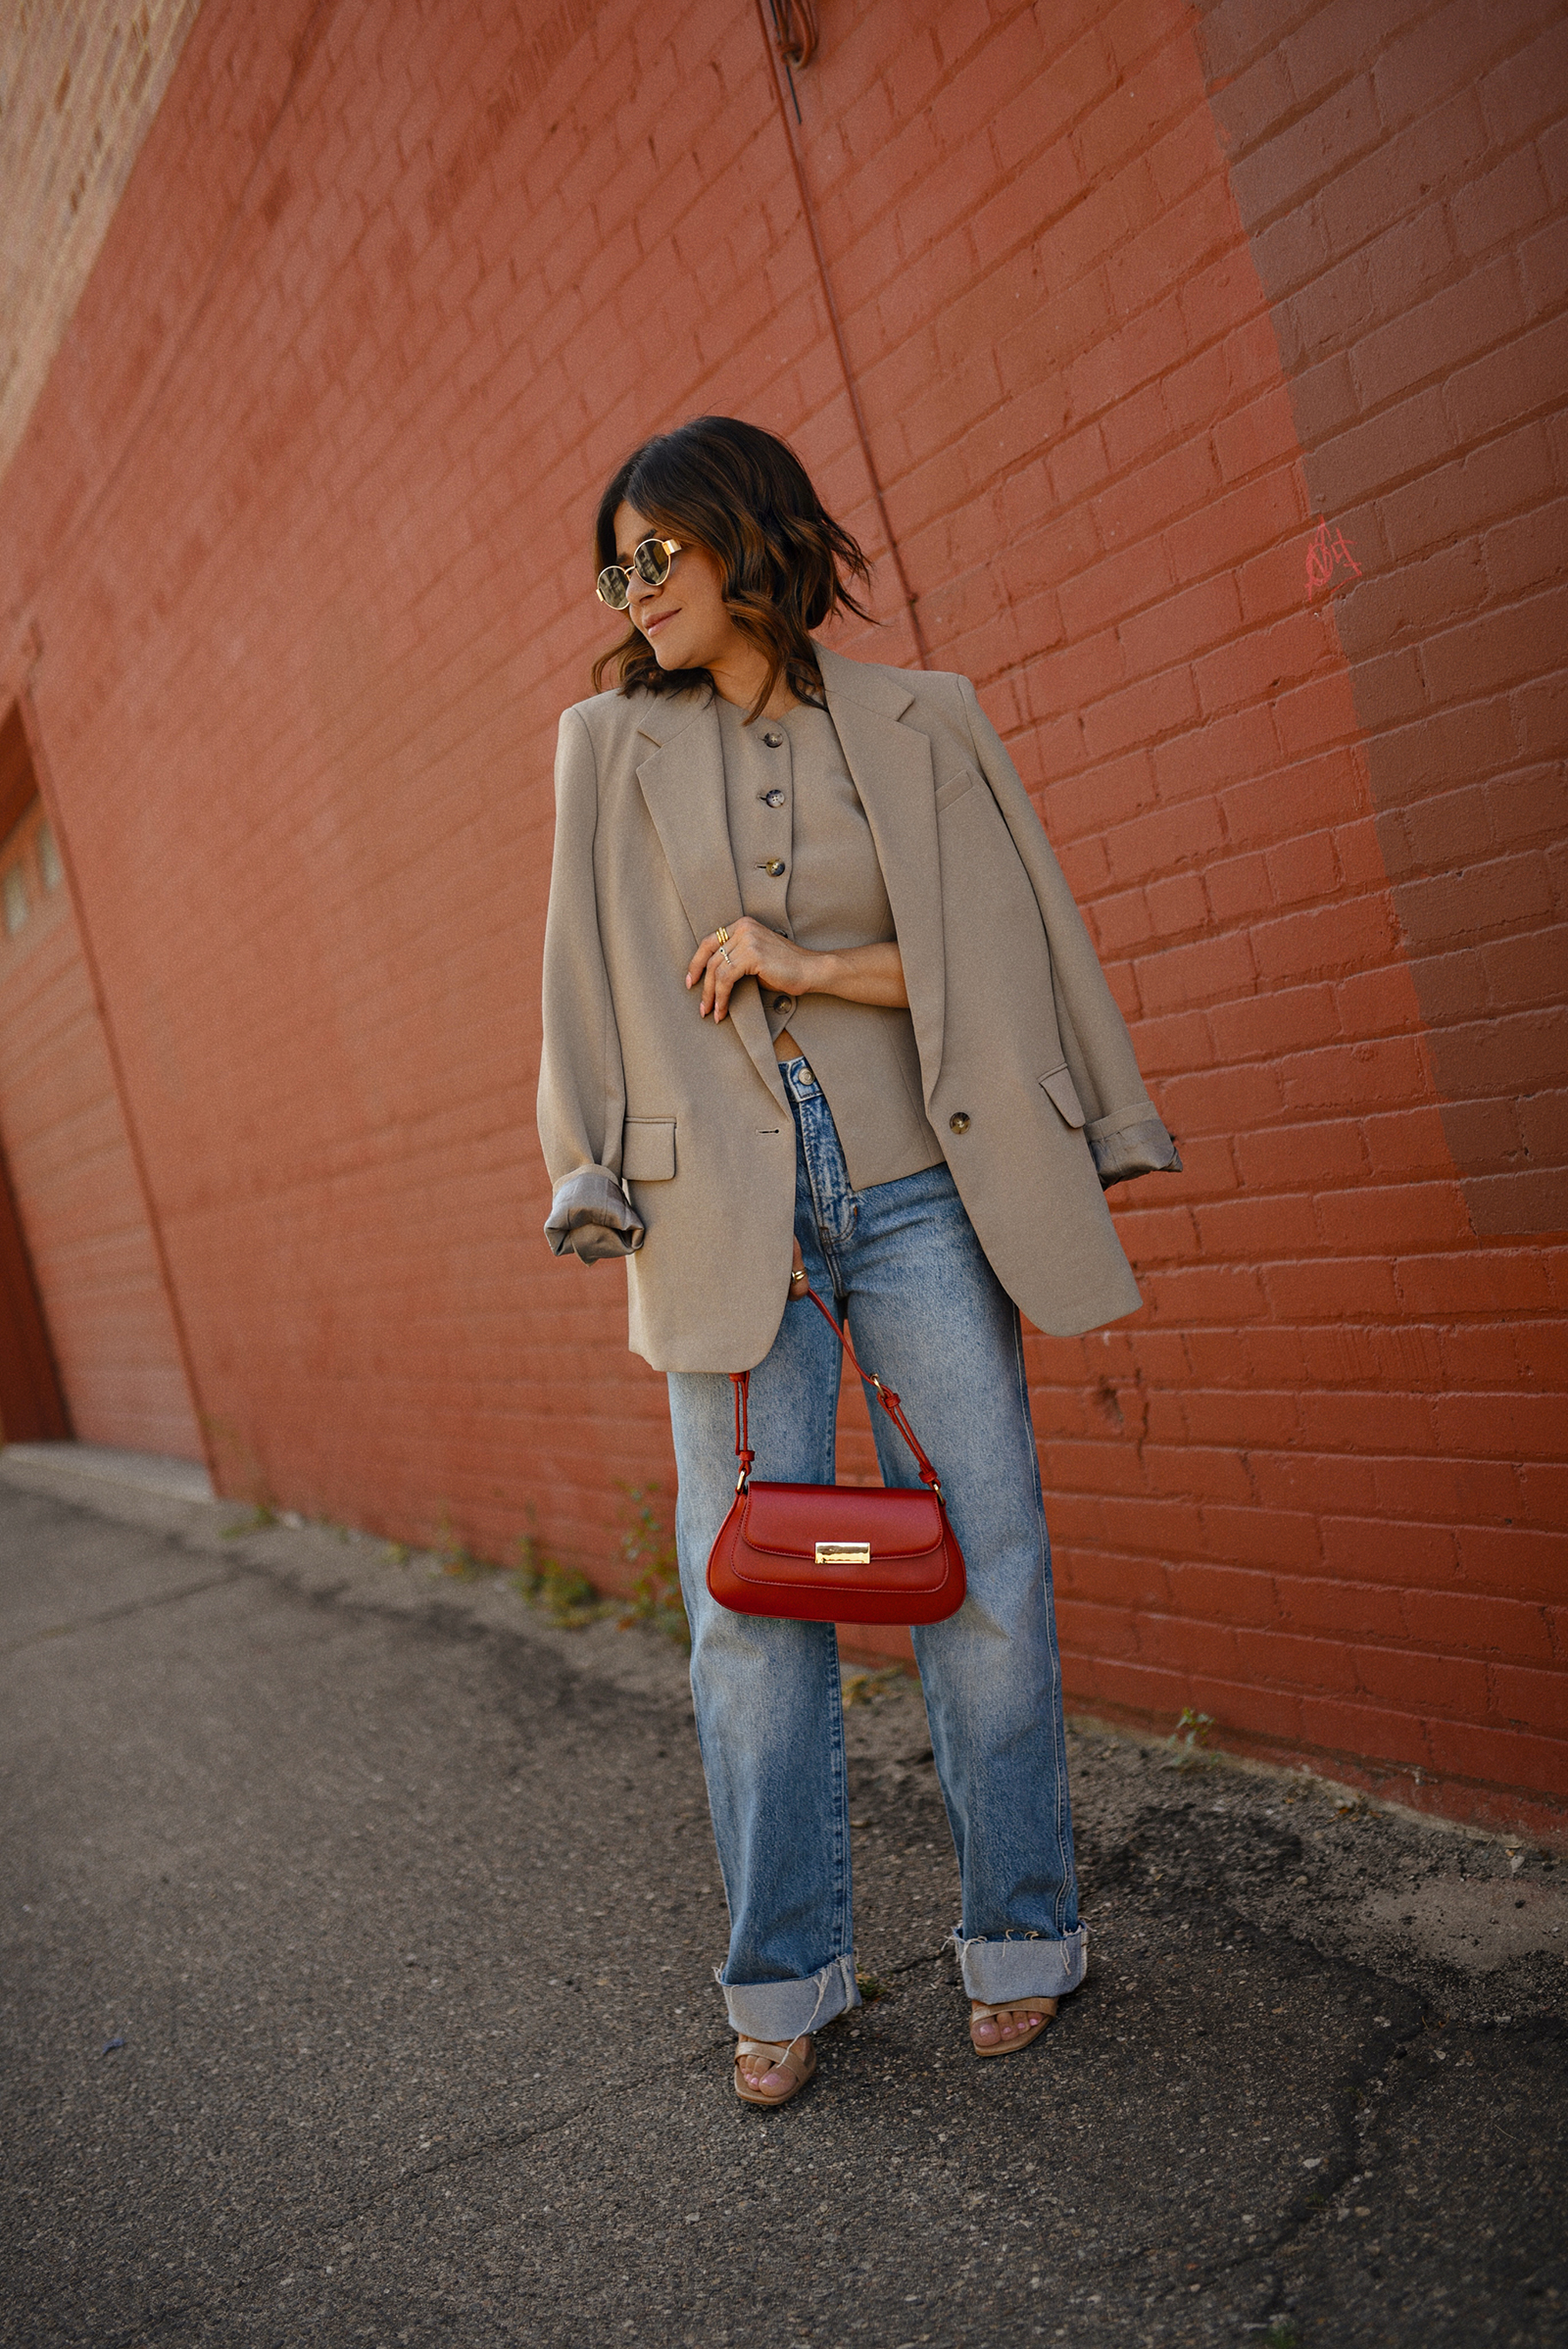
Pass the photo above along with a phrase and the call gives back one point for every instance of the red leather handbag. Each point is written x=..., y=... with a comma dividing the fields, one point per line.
x=837, y=1553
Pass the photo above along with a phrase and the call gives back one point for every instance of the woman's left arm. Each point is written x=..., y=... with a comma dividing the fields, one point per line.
x=860, y=974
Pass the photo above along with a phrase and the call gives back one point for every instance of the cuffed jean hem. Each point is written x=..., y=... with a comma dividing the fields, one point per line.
x=783, y=2010
x=1025, y=1966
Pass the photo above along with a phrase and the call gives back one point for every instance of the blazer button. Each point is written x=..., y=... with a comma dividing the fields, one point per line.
x=774, y=742
x=772, y=799
x=960, y=1121
x=773, y=867
x=783, y=1003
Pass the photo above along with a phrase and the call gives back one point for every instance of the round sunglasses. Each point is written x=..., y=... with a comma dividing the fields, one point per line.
x=650, y=562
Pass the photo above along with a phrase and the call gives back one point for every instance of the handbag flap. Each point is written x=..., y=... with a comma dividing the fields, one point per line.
x=787, y=1522
x=905, y=1530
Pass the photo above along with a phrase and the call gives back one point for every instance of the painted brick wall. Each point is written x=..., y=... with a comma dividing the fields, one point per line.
x=81, y=85
x=74, y=1181
x=1402, y=171
x=302, y=523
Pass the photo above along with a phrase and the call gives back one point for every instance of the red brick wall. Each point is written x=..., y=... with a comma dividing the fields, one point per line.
x=302, y=525
x=74, y=1181
x=1402, y=171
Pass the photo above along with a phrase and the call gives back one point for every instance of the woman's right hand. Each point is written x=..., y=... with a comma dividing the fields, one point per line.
x=751, y=950
x=797, y=1276
x=860, y=974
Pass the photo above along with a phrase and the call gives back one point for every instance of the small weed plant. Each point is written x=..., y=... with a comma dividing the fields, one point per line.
x=649, y=1549
x=1193, y=1732
x=454, y=1557
x=568, y=1598
x=260, y=1518
x=865, y=1687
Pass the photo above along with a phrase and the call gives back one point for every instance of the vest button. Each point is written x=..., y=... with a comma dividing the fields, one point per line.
x=783, y=1003
x=772, y=799
x=774, y=742
x=960, y=1121
x=773, y=867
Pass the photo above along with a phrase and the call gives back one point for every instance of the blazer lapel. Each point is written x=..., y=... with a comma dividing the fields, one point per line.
x=683, y=783
x=891, y=764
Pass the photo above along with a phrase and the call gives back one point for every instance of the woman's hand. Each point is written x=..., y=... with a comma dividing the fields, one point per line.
x=798, y=1278
x=861, y=974
x=749, y=951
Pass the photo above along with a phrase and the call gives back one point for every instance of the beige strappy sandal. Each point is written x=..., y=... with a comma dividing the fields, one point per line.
x=800, y=2067
x=1015, y=2011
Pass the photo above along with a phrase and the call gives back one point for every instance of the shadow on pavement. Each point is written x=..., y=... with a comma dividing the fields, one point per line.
x=356, y=1942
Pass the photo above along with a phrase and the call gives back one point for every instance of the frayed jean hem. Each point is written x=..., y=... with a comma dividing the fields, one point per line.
x=782, y=2010
x=1024, y=1966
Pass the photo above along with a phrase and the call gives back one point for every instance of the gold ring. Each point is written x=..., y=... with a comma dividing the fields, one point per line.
x=722, y=935
x=797, y=1276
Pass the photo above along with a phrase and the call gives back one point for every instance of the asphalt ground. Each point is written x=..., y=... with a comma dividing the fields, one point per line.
x=357, y=1934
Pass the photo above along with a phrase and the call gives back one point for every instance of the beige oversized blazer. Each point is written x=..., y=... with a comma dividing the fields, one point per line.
x=1029, y=1075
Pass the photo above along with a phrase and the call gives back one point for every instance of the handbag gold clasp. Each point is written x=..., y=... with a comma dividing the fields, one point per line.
x=844, y=1553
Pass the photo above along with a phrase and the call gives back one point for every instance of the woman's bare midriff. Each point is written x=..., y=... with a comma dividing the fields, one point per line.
x=785, y=1047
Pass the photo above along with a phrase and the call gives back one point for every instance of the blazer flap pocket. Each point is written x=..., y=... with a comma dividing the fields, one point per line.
x=956, y=786
x=1064, y=1092
x=648, y=1150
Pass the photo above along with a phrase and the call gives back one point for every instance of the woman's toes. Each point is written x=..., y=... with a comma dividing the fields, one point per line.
x=764, y=2076
x=1000, y=2031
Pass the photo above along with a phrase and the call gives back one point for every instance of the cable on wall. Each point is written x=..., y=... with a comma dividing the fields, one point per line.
x=797, y=20
x=795, y=29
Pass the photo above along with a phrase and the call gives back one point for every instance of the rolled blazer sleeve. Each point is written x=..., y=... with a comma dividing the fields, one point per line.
x=1123, y=1129
x=582, y=1086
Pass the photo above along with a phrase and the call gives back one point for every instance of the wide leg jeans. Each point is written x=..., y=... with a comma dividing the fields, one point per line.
x=929, y=1317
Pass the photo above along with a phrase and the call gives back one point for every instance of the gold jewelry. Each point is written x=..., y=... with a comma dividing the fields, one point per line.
x=722, y=935
x=797, y=1276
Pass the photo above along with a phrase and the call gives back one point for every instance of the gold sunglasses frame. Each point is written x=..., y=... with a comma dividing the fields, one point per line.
x=670, y=547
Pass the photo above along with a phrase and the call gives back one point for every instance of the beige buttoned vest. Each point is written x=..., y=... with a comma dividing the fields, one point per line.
x=808, y=868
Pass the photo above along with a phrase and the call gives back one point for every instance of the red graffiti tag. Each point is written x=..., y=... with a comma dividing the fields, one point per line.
x=1327, y=554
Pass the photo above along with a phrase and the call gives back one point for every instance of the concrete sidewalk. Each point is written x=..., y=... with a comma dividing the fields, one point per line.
x=358, y=1935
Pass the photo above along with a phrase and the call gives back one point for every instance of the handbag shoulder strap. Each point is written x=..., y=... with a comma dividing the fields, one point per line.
x=741, y=1380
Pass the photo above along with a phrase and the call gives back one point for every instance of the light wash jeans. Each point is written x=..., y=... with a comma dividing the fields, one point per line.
x=929, y=1317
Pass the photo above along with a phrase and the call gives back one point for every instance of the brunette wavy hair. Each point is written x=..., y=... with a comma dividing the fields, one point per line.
x=787, y=564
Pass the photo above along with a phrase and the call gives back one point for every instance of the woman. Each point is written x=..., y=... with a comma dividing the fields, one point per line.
x=818, y=1008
